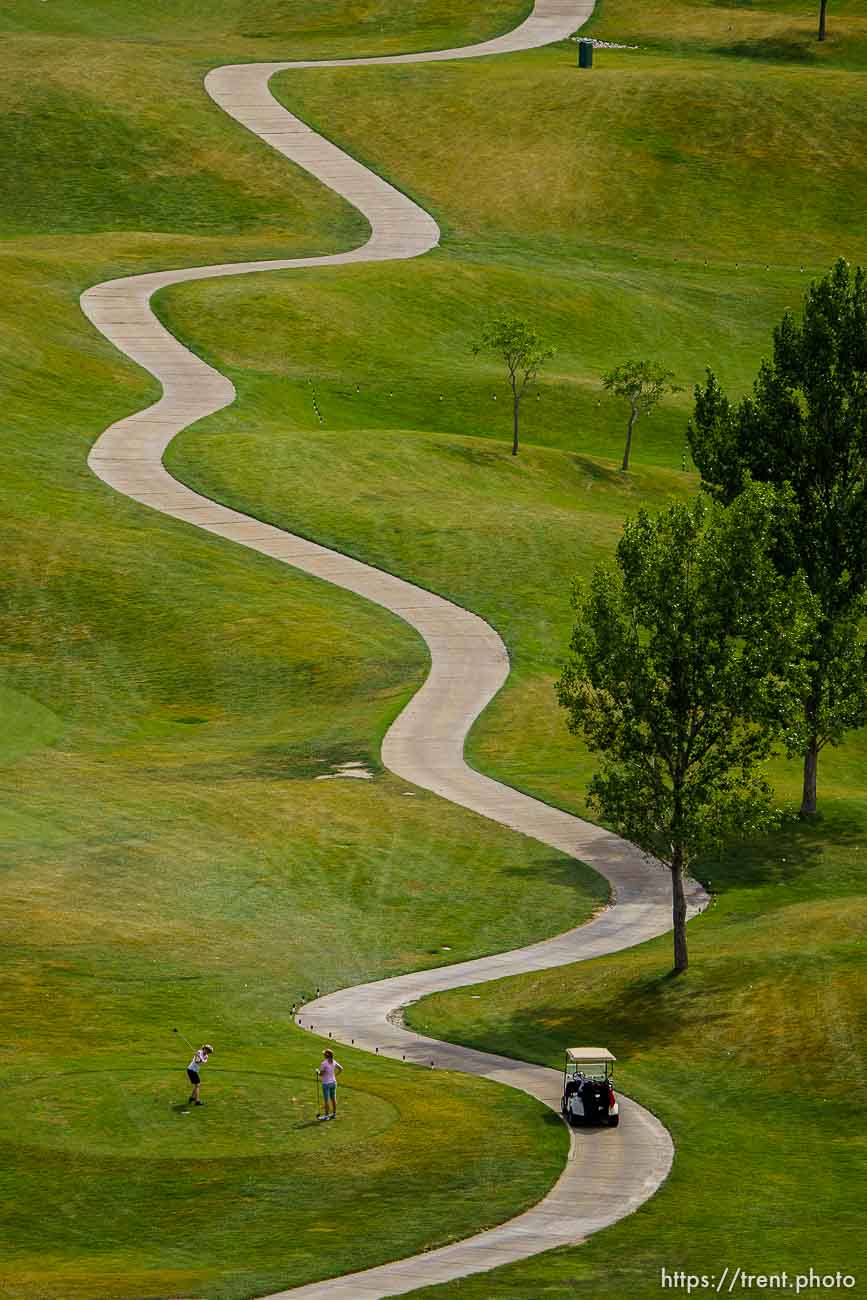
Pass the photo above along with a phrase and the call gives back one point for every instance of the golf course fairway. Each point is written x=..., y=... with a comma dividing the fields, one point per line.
x=170, y=857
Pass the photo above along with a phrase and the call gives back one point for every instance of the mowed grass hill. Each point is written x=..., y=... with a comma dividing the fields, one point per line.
x=167, y=702
x=169, y=699
x=673, y=203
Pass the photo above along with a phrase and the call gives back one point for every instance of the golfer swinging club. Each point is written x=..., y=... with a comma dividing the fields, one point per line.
x=328, y=1072
x=200, y=1059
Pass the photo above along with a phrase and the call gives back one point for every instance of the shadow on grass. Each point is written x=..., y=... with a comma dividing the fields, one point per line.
x=644, y=1014
x=554, y=871
x=778, y=49
x=473, y=455
x=783, y=857
x=606, y=474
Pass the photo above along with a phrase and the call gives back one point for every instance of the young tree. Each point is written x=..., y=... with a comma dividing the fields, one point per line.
x=823, y=5
x=806, y=425
x=524, y=352
x=643, y=384
x=681, y=676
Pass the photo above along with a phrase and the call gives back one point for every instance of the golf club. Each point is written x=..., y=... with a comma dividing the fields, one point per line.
x=186, y=1040
x=318, y=1096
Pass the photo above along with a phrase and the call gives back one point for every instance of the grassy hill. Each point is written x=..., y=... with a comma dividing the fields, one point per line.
x=673, y=203
x=168, y=699
x=754, y=1060
x=579, y=213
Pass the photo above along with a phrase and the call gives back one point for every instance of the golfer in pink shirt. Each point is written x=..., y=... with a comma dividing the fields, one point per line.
x=328, y=1072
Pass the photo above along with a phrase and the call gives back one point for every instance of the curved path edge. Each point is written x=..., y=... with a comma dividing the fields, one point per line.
x=609, y=1173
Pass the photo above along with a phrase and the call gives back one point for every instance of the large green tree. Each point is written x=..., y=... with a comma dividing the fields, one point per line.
x=684, y=661
x=805, y=425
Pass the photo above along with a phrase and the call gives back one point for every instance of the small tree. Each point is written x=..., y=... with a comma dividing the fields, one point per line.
x=681, y=675
x=805, y=425
x=823, y=5
x=524, y=352
x=643, y=384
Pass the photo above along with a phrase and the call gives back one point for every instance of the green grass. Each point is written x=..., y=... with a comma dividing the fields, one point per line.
x=27, y=725
x=107, y=126
x=168, y=857
x=168, y=700
x=776, y=31
x=664, y=206
x=581, y=213
x=140, y=1195
x=358, y=26
x=677, y=157
x=754, y=1060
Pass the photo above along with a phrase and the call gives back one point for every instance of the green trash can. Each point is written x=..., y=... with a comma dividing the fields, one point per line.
x=585, y=54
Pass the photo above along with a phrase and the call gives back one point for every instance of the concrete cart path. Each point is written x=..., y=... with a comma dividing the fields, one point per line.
x=609, y=1173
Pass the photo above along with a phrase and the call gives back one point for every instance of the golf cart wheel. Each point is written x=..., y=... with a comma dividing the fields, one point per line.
x=613, y=1121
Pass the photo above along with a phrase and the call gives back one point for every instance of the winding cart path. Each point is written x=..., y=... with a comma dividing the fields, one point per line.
x=609, y=1173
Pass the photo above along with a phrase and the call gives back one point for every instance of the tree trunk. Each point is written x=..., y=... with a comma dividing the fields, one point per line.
x=625, y=465
x=678, y=911
x=811, y=763
x=516, y=403
x=823, y=5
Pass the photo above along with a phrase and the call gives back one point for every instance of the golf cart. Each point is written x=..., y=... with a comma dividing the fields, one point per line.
x=588, y=1087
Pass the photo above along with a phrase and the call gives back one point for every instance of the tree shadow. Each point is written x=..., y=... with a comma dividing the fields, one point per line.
x=774, y=49
x=782, y=857
x=607, y=474
x=644, y=1013
x=472, y=454
x=562, y=871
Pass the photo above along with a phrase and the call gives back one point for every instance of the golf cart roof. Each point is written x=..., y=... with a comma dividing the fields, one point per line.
x=589, y=1055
